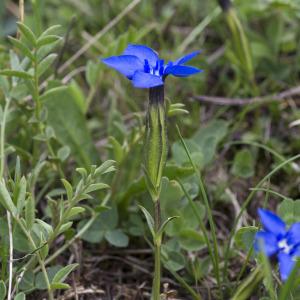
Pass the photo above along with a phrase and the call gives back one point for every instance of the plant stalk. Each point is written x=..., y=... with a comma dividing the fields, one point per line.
x=156, y=149
x=157, y=250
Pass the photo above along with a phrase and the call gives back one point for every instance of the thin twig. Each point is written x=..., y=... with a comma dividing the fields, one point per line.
x=21, y=15
x=64, y=47
x=73, y=73
x=18, y=280
x=91, y=42
x=245, y=101
x=21, y=10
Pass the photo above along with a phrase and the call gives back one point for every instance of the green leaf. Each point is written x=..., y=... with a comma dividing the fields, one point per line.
x=45, y=64
x=244, y=237
x=202, y=145
x=6, y=200
x=30, y=212
x=22, y=47
x=65, y=227
x=70, y=126
x=62, y=274
x=149, y=220
x=69, y=188
x=20, y=240
x=45, y=226
x=74, y=211
x=289, y=211
x=27, y=33
x=243, y=165
x=106, y=167
x=175, y=260
x=191, y=240
x=63, y=153
x=96, y=187
x=20, y=296
x=2, y=290
x=46, y=40
x=117, y=148
x=117, y=238
x=27, y=282
x=14, y=73
x=50, y=31
x=106, y=221
x=40, y=283
x=4, y=86
x=78, y=96
x=21, y=194
x=59, y=286
x=44, y=250
x=163, y=226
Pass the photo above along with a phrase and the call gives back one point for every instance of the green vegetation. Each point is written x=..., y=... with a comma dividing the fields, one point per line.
x=78, y=187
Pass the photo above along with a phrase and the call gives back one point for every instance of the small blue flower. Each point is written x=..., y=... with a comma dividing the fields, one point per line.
x=276, y=240
x=145, y=69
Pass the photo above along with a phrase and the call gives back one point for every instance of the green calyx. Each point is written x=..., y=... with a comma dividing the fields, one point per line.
x=156, y=145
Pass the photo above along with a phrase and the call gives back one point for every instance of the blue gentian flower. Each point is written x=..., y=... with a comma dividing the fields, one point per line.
x=145, y=69
x=277, y=240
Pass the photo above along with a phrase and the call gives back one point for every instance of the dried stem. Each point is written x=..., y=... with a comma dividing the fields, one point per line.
x=246, y=101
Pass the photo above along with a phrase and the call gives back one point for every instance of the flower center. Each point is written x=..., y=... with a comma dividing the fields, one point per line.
x=157, y=70
x=284, y=246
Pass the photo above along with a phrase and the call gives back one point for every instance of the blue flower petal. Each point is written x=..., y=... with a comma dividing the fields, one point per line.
x=125, y=64
x=286, y=265
x=266, y=242
x=296, y=252
x=272, y=223
x=145, y=80
x=142, y=52
x=181, y=71
x=184, y=59
x=293, y=235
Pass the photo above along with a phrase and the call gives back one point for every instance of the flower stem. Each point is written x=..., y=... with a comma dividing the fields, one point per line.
x=157, y=249
x=156, y=149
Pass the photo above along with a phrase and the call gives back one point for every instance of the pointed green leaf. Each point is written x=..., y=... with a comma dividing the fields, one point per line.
x=65, y=227
x=22, y=47
x=30, y=212
x=163, y=226
x=46, y=40
x=75, y=211
x=14, y=73
x=149, y=220
x=51, y=30
x=44, y=251
x=27, y=33
x=117, y=148
x=106, y=167
x=59, y=286
x=69, y=188
x=48, y=228
x=45, y=64
x=62, y=274
x=21, y=195
x=6, y=200
x=96, y=187
x=2, y=290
